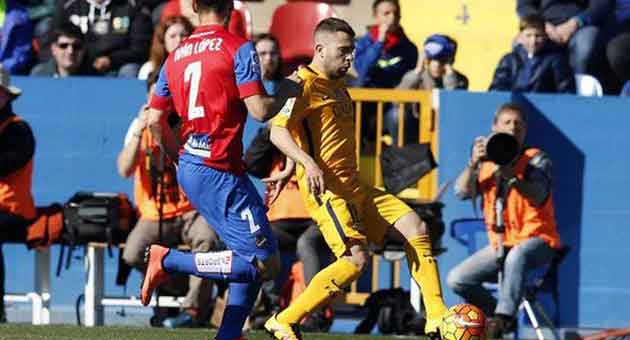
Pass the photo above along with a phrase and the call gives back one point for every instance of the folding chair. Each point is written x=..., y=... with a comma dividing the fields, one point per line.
x=544, y=278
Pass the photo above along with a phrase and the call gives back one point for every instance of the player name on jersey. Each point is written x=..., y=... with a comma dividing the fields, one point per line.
x=188, y=49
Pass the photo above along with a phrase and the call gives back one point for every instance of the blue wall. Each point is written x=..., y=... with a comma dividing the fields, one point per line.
x=80, y=124
x=587, y=140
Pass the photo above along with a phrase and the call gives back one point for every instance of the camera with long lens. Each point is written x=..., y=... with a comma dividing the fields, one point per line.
x=501, y=148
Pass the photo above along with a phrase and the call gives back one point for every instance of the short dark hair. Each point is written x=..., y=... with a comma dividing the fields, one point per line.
x=536, y=21
x=68, y=30
x=333, y=25
x=221, y=7
x=513, y=107
x=378, y=2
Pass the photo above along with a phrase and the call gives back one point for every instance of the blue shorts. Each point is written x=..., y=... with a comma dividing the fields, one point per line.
x=232, y=206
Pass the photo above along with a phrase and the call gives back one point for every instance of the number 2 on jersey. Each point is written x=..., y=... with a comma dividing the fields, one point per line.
x=192, y=75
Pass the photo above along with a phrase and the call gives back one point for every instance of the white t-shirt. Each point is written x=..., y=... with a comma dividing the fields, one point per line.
x=132, y=128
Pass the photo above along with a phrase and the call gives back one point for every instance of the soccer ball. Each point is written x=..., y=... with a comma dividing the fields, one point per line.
x=463, y=322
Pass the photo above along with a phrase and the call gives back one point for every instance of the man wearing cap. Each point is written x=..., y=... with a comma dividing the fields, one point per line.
x=17, y=146
x=434, y=70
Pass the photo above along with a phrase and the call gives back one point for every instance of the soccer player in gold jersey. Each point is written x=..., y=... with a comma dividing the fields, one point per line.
x=316, y=130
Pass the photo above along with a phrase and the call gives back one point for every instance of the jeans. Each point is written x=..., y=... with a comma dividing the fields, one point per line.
x=583, y=49
x=467, y=277
x=410, y=131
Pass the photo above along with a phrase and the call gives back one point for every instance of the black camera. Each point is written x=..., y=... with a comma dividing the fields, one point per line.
x=502, y=148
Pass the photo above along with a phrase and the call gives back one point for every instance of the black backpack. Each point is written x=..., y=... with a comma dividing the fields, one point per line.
x=392, y=311
x=97, y=217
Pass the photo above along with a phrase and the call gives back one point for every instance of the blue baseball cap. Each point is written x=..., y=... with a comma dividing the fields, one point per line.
x=440, y=47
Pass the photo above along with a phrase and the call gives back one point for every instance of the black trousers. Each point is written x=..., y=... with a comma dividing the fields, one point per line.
x=12, y=229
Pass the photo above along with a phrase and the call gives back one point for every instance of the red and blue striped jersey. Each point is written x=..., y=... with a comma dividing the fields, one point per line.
x=205, y=80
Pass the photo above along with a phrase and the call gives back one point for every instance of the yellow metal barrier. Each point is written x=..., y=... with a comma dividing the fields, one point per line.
x=370, y=161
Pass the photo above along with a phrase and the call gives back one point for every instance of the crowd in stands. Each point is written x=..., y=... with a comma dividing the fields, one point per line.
x=128, y=38
x=132, y=38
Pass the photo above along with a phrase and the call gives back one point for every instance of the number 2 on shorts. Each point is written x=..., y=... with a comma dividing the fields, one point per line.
x=246, y=214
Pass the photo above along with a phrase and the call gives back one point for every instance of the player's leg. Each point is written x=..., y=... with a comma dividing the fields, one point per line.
x=422, y=263
x=346, y=241
x=232, y=211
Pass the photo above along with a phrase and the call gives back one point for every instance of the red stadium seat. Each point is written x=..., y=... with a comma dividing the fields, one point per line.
x=248, y=27
x=293, y=24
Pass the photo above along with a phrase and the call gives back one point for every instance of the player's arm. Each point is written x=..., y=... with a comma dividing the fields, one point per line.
x=291, y=114
x=263, y=107
x=161, y=103
x=249, y=81
x=163, y=134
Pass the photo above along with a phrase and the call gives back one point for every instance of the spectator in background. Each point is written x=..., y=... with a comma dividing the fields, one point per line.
x=268, y=50
x=181, y=224
x=271, y=68
x=572, y=24
x=434, y=70
x=530, y=237
x=68, y=55
x=236, y=23
x=385, y=53
x=618, y=45
x=15, y=37
x=166, y=38
x=17, y=146
x=533, y=65
x=117, y=33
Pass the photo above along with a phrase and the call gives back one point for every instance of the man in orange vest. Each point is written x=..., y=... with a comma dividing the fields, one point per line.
x=530, y=237
x=181, y=224
x=17, y=146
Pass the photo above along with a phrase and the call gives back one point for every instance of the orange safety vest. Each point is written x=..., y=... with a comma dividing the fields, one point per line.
x=175, y=201
x=289, y=204
x=522, y=219
x=15, y=189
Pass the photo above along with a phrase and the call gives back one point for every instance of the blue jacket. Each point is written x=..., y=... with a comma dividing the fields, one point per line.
x=379, y=68
x=590, y=12
x=16, y=39
x=549, y=71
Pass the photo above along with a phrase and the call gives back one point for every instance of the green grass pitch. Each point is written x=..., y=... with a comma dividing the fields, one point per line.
x=28, y=332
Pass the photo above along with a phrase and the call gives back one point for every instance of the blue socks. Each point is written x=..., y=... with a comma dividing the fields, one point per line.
x=241, y=299
x=223, y=265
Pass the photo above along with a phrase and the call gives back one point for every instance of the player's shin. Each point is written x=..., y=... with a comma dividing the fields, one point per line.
x=423, y=268
x=223, y=265
x=327, y=283
x=241, y=299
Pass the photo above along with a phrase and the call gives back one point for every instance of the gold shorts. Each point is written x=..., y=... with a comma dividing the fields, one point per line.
x=363, y=217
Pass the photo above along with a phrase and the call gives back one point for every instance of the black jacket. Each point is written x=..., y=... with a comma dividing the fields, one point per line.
x=550, y=73
x=119, y=29
x=592, y=12
x=17, y=144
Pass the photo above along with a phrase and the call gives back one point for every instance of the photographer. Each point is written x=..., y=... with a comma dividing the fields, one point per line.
x=530, y=236
x=166, y=215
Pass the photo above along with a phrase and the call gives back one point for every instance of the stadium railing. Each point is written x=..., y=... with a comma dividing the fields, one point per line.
x=39, y=298
x=94, y=290
x=369, y=163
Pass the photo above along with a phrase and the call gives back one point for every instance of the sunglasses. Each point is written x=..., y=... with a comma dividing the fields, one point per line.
x=64, y=46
